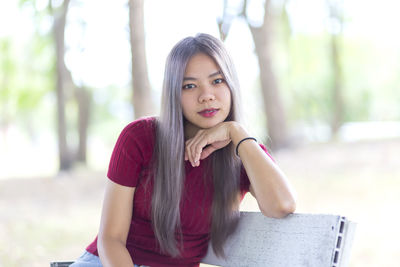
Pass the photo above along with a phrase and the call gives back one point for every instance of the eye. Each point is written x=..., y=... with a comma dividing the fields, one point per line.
x=217, y=81
x=188, y=86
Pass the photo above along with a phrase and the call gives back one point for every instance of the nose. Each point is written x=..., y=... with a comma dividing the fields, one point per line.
x=206, y=94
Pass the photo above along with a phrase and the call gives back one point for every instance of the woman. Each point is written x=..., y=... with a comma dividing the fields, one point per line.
x=175, y=181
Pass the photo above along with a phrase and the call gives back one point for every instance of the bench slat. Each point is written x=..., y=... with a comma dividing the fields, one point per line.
x=297, y=240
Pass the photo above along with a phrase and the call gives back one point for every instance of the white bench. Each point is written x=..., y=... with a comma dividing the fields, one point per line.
x=299, y=240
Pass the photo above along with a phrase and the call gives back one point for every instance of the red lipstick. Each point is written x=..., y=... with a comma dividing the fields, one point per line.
x=208, y=112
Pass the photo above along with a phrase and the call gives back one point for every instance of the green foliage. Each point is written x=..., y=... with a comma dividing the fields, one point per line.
x=27, y=73
x=107, y=106
x=305, y=78
x=370, y=82
x=26, y=76
x=302, y=63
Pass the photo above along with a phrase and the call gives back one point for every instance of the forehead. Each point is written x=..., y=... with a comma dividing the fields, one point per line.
x=201, y=63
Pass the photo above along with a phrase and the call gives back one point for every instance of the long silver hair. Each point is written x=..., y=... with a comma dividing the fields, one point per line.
x=169, y=149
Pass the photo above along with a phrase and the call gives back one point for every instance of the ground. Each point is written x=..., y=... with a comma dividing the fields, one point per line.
x=46, y=218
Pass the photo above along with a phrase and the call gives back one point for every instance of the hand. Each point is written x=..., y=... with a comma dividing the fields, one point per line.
x=206, y=142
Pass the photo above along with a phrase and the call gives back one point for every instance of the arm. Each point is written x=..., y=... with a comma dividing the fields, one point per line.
x=268, y=184
x=114, y=225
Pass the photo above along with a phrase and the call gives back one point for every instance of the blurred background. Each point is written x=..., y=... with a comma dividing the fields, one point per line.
x=319, y=83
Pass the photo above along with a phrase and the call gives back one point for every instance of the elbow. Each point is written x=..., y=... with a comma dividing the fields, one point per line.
x=101, y=244
x=280, y=211
x=104, y=242
x=101, y=240
x=288, y=208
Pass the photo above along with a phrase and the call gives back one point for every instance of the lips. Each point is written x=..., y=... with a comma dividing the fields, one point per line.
x=208, y=112
x=205, y=111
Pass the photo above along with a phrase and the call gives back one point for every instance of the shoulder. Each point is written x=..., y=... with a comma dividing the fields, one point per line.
x=140, y=130
x=144, y=125
x=132, y=151
x=138, y=137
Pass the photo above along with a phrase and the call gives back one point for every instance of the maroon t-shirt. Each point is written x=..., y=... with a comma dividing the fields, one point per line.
x=129, y=166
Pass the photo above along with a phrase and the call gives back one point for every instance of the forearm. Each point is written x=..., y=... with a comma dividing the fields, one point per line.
x=269, y=185
x=113, y=253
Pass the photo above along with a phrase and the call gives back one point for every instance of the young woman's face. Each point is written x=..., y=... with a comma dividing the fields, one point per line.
x=205, y=98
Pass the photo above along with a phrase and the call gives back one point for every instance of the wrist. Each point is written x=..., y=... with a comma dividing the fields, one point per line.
x=237, y=132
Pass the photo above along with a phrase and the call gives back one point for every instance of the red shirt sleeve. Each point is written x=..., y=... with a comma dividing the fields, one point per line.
x=244, y=179
x=130, y=153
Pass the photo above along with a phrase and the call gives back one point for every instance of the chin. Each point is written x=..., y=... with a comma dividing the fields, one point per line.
x=210, y=124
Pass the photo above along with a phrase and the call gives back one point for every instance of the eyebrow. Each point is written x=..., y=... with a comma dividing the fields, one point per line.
x=209, y=76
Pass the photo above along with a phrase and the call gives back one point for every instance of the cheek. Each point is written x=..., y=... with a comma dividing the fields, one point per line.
x=227, y=98
x=185, y=103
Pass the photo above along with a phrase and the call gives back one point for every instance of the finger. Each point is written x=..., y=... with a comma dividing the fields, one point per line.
x=188, y=152
x=213, y=147
x=198, y=149
x=207, y=152
x=195, y=147
x=191, y=148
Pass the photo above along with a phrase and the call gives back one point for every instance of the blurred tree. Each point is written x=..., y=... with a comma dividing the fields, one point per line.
x=224, y=23
x=65, y=86
x=83, y=97
x=7, y=68
x=26, y=77
x=335, y=30
x=262, y=35
x=142, y=101
x=64, y=81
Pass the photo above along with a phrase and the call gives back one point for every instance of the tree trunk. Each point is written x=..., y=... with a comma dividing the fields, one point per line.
x=337, y=78
x=83, y=98
x=65, y=87
x=338, y=104
x=142, y=101
x=58, y=31
x=274, y=108
x=224, y=23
